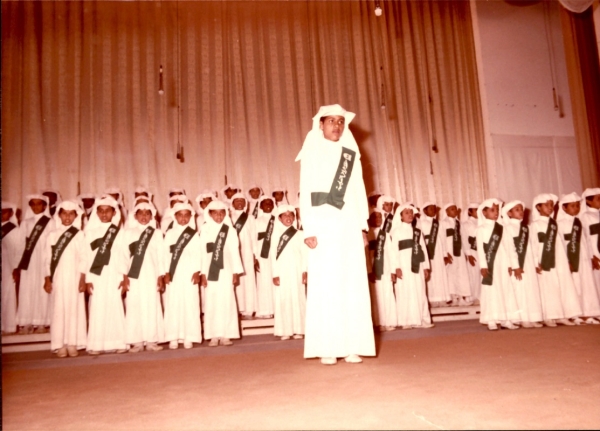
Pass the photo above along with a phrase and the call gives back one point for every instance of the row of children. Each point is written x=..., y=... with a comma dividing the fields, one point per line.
x=54, y=263
x=521, y=274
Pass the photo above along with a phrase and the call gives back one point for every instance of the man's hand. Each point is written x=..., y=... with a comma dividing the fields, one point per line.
x=472, y=260
x=596, y=263
x=236, y=279
x=160, y=282
x=256, y=265
x=47, y=285
x=276, y=281
x=167, y=278
x=448, y=259
x=518, y=273
x=394, y=278
x=538, y=269
x=311, y=242
x=82, y=287
x=304, y=278
x=90, y=288
x=124, y=285
x=398, y=273
x=203, y=280
x=427, y=273
x=196, y=277
x=484, y=272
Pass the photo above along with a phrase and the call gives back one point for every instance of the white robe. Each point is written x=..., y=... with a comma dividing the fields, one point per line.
x=557, y=290
x=246, y=290
x=106, y=315
x=338, y=309
x=182, y=297
x=590, y=220
x=411, y=297
x=290, y=295
x=68, y=326
x=585, y=285
x=458, y=275
x=382, y=291
x=11, y=255
x=438, y=289
x=34, y=302
x=468, y=229
x=498, y=302
x=264, y=278
x=144, y=316
x=527, y=290
x=220, y=310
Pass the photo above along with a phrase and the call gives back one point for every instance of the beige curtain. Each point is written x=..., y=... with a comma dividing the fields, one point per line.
x=242, y=80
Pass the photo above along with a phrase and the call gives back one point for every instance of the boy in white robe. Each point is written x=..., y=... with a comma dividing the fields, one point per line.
x=265, y=223
x=33, y=312
x=182, y=280
x=412, y=271
x=574, y=242
x=334, y=211
x=280, y=195
x=386, y=205
x=202, y=201
x=244, y=225
x=438, y=291
x=54, y=198
x=227, y=193
x=498, y=302
x=590, y=218
x=221, y=266
x=456, y=261
x=469, y=243
x=106, y=331
x=173, y=191
x=117, y=195
x=382, y=273
x=253, y=195
x=168, y=220
x=86, y=202
x=65, y=268
x=560, y=301
x=142, y=252
x=522, y=263
x=288, y=261
x=11, y=254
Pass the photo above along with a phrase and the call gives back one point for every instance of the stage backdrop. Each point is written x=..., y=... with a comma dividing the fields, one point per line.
x=242, y=79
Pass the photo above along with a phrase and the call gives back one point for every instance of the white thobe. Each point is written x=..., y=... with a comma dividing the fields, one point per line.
x=382, y=297
x=591, y=229
x=458, y=275
x=438, y=289
x=246, y=290
x=264, y=278
x=468, y=229
x=11, y=255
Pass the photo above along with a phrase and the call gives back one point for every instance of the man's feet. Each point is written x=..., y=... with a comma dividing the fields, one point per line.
x=173, y=345
x=492, y=326
x=62, y=352
x=537, y=325
x=93, y=352
x=527, y=325
x=390, y=328
x=592, y=321
x=153, y=347
x=121, y=351
x=214, y=342
x=353, y=359
x=298, y=337
x=136, y=348
x=509, y=325
x=188, y=344
x=578, y=321
x=284, y=338
x=226, y=342
x=551, y=323
x=329, y=361
x=407, y=327
x=72, y=351
x=565, y=322
x=426, y=325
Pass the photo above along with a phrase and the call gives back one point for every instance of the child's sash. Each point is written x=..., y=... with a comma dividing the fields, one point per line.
x=255, y=212
x=336, y=194
x=241, y=222
x=138, y=250
x=417, y=255
x=521, y=242
x=177, y=248
x=60, y=247
x=549, y=239
x=32, y=241
x=285, y=239
x=574, y=245
x=473, y=243
x=387, y=224
x=7, y=228
x=378, y=255
x=456, y=238
x=218, y=255
x=266, y=237
x=104, y=245
x=490, y=249
x=432, y=238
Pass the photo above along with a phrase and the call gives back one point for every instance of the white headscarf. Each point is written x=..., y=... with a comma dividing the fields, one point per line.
x=279, y=226
x=115, y=190
x=465, y=214
x=385, y=199
x=224, y=197
x=398, y=215
x=507, y=207
x=587, y=193
x=282, y=190
x=565, y=199
x=239, y=195
x=13, y=218
x=29, y=213
x=56, y=192
x=315, y=137
x=264, y=198
x=132, y=221
x=180, y=206
x=68, y=205
x=209, y=222
x=83, y=196
x=95, y=220
x=141, y=189
x=169, y=214
x=443, y=215
x=540, y=199
x=249, y=197
x=203, y=195
x=488, y=203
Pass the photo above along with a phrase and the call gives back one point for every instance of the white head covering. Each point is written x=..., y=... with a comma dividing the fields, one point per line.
x=264, y=198
x=565, y=199
x=465, y=214
x=488, y=203
x=443, y=215
x=398, y=215
x=587, y=193
x=239, y=195
x=29, y=213
x=180, y=206
x=217, y=205
x=254, y=186
x=223, y=196
x=141, y=189
x=203, y=195
x=112, y=191
x=175, y=190
x=385, y=199
x=68, y=205
x=13, y=218
x=507, y=207
x=83, y=196
x=132, y=221
x=56, y=192
x=95, y=220
x=540, y=199
x=315, y=136
x=282, y=190
x=279, y=226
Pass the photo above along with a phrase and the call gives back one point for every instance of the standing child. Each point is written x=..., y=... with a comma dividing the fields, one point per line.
x=288, y=260
x=386, y=205
x=523, y=275
x=10, y=260
x=202, y=201
x=117, y=195
x=168, y=220
x=590, y=218
x=469, y=244
x=244, y=226
x=438, y=291
x=253, y=195
x=456, y=262
x=262, y=263
x=54, y=199
x=557, y=290
x=142, y=254
x=182, y=298
x=65, y=268
x=33, y=305
x=280, y=196
x=227, y=193
x=570, y=230
x=86, y=201
x=107, y=317
x=221, y=266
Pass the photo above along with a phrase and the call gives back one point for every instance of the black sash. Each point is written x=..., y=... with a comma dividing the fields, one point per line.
x=255, y=212
x=138, y=251
x=218, y=254
x=285, y=238
x=266, y=237
x=432, y=238
x=574, y=245
x=490, y=249
x=417, y=255
x=387, y=224
x=177, y=248
x=59, y=248
x=549, y=240
x=378, y=246
x=104, y=244
x=170, y=226
x=521, y=242
x=473, y=243
x=241, y=222
x=456, y=238
x=32, y=241
x=595, y=230
x=7, y=228
x=336, y=194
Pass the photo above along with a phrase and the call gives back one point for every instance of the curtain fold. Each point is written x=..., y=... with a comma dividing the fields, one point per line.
x=242, y=80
